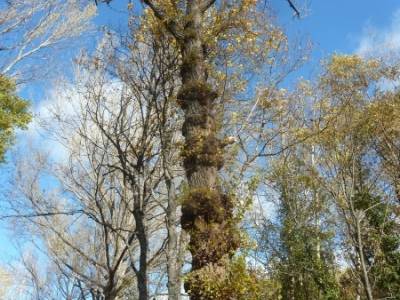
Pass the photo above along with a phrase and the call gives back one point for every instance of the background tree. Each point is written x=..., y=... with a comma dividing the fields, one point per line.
x=113, y=209
x=13, y=113
x=347, y=163
x=306, y=253
x=29, y=29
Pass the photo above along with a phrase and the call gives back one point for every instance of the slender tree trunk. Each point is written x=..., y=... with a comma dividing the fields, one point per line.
x=173, y=266
x=206, y=211
x=143, y=246
x=365, y=279
x=396, y=185
x=109, y=295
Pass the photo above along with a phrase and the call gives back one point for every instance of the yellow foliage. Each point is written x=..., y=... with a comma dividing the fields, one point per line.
x=230, y=279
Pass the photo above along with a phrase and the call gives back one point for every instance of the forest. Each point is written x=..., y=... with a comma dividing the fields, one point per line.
x=197, y=150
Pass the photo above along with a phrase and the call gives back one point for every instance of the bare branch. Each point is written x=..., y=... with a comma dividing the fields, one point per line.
x=206, y=5
x=292, y=6
x=29, y=28
x=44, y=214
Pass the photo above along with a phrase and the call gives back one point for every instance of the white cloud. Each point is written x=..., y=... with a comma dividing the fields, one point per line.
x=381, y=42
x=57, y=118
x=36, y=135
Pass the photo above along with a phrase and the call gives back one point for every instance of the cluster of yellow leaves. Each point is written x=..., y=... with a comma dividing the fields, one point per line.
x=239, y=24
x=385, y=113
x=240, y=38
x=384, y=126
x=355, y=110
x=151, y=28
x=272, y=98
x=231, y=279
x=343, y=94
x=350, y=66
x=352, y=73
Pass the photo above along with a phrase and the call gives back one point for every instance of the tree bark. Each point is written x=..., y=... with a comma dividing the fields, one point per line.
x=109, y=295
x=174, y=283
x=396, y=185
x=206, y=210
x=143, y=246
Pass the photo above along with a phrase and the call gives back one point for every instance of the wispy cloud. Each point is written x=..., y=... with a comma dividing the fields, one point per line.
x=381, y=42
x=37, y=134
x=58, y=118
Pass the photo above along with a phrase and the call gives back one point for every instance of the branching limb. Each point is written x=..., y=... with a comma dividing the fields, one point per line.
x=171, y=25
x=206, y=5
x=292, y=6
x=44, y=214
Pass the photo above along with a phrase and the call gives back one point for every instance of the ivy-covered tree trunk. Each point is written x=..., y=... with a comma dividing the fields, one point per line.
x=206, y=210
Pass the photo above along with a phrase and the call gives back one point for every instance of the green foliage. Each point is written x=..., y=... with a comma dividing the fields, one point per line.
x=13, y=113
x=382, y=246
x=306, y=268
x=305, y=273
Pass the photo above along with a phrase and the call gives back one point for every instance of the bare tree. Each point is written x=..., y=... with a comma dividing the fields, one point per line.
x=113, y=218
x=29, y=29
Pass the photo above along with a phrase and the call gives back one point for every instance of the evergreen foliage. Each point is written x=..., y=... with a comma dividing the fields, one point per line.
x=13, y=113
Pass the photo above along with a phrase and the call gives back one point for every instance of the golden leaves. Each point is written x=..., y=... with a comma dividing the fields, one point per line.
x=229, y=279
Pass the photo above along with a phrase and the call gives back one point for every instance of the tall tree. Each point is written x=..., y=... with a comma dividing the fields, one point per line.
x=347, y=162
x=307, y=267
x=202, y=30
x=384, y=133
x=120, y=174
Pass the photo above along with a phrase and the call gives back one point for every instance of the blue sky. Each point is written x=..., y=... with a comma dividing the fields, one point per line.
x=342, y=26
x=333, y=25
x=339, y=25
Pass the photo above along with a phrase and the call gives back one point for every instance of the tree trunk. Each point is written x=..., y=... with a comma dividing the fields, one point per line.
x=396, y=185
x=365, y=279
x=143, y=246
x=173, y=266
x=206, y=210
x=109, y=295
